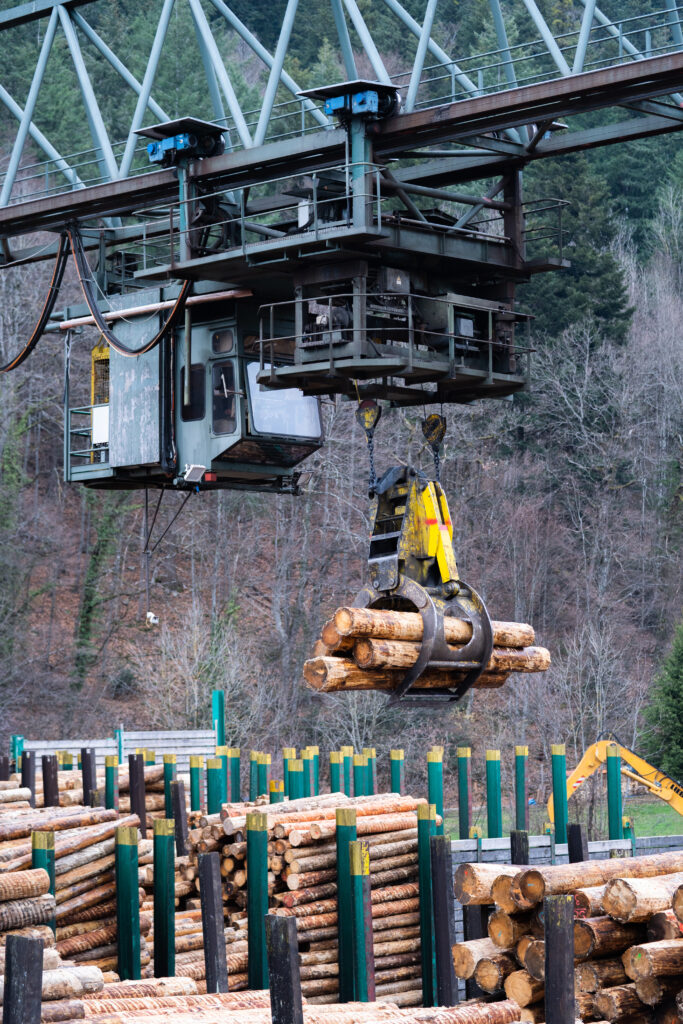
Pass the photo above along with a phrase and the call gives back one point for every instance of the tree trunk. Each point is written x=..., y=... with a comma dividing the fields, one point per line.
x=600, y=936
x=466, y=956
x=491, y=971
x=637, y=899
x=524, y=989
x=654, y=958
x=535, y=883
x=388, y=625
x=473, y=882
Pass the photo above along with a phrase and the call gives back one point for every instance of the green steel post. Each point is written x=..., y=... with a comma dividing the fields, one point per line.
x=68, y=761
x=307, y=761
x=361, y=929
x=127, y=903
x=347, y=764
x=346, y=834
x=397, y=771
x=464, y=808
x=43, y=856
x=263, y=769
x=196, y=782
x=614, y=808
x=521, y=802
x=296, y=779
x=257, y=898
x=335, y=772
x=218, y=716
x=214, y=785
x=253, y=774
x=360, y=770
x=372, y=773
x=426, y=828
x=170, y=775
x=118, y=736
x=111, y=781
x=150, y=757
x=559, y=766
x=235, y=795
x=435, y=783
x=164, y=897
x=277, y=791
x=288, y=754
x=494, y=798
x=315, y=751
x=222, y=753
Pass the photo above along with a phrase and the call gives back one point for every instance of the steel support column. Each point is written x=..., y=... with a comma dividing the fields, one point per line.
x=275, y=72
x=420, y=54
x=221, y=74
x=27, y=117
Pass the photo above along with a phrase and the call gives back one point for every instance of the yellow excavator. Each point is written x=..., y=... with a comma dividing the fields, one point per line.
x=659, y=783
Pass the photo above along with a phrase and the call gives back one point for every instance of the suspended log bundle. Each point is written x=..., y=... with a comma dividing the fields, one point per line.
x=367, y=649
x=628, y=937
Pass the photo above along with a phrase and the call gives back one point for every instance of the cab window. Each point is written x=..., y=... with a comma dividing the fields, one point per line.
x=288, y=412
x=223, y=398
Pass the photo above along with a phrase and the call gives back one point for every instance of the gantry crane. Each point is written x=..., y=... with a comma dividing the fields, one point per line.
x=362, y=240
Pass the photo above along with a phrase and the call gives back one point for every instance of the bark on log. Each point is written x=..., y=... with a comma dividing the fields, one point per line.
x=466, y=956
x=473, y=882
x=535, y=883
x=534, y=959
x=330, y=674
x=491, y=971
x=601, y=936
x=64, y=1010
x=23, y=884
x=20, y=913
x=653, y=990
x=654, y=958
x=616, y=1003
x=664, y=925
x=597, y=974
x=389, y=625
x=371, y=654
x=637, y=899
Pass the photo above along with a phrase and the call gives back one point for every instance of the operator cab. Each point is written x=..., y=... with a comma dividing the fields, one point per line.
x=147, y=425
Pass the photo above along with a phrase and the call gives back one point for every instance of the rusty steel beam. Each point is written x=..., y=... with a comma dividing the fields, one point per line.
x=239, y=169
x=558, y=97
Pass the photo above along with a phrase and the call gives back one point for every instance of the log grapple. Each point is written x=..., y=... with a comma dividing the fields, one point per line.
x=412, y=567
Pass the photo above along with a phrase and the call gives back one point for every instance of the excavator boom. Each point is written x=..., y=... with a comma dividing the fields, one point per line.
x=657, y=782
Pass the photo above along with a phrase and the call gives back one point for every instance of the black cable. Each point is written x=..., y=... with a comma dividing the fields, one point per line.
x=187, y=497
x=85, y=278
x=48, y=306
x=154, y=519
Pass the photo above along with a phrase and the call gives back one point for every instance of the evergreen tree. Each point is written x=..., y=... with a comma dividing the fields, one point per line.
x=593, y=287
x=664, y=714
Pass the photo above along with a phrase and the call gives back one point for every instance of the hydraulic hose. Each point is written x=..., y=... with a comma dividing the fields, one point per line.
x=48, y=306
x=85, y=278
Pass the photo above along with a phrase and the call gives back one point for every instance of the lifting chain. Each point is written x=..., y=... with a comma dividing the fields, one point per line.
x=434, y=430
x=368, y=416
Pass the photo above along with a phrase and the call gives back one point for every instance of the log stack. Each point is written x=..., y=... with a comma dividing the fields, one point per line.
x=157, y=1003
x=84, y=904
x=628, y=939
x=302, y=884
x=367, y=649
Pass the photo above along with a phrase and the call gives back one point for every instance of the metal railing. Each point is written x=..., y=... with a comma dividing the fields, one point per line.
x=604, y=43
x=407, y=334
x=80, y=450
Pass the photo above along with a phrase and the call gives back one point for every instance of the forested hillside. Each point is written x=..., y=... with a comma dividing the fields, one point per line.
x=567, y=501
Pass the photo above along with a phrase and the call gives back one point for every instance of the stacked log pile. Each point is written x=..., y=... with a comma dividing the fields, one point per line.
x=628, y=935
x=303, y=884
x=13, y=797
x=367, y=649
x=157, y=1003
x=84, y=904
